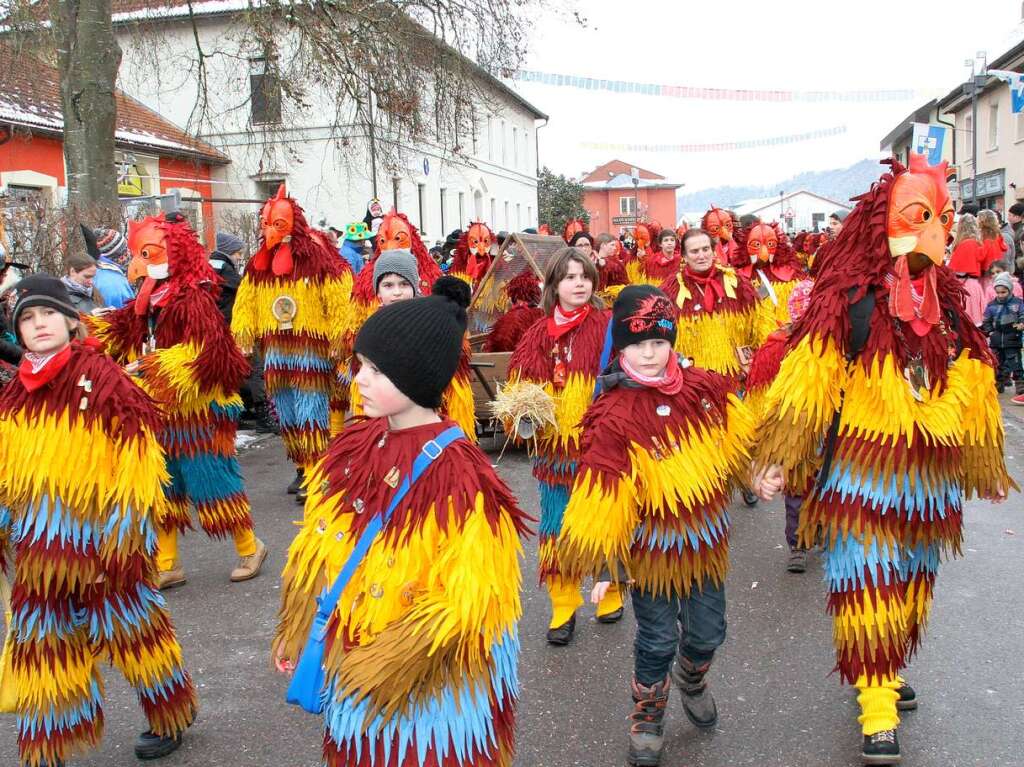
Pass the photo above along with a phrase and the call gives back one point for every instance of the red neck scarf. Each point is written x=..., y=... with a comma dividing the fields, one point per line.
x=560, y=323
x=670, y=382
x=913, y=300
x=35, y=371
x=659, y=257
x=713, y=289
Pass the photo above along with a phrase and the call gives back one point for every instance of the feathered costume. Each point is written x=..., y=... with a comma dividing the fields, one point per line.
x=717, y=316
x=643, y=249
x=656, y=472
x=295, y=303
x=190, y=365
x=421, y=660
x=471, y=257
x=81, y=485
x=910, y=425
x=765, y=257
x=523, y=291
x=612, y=274
x=566, y=367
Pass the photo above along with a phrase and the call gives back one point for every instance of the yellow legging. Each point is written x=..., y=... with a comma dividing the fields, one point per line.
x=878, y=704
x=565, y=600
x=167, y=546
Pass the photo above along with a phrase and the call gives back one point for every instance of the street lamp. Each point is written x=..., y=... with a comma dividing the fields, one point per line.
x=634, y=174
x=978, y=80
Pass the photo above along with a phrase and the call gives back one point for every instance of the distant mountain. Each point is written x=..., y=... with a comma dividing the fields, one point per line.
x=840, y=185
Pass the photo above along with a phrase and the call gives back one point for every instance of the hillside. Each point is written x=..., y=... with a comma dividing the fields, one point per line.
x=840, y=184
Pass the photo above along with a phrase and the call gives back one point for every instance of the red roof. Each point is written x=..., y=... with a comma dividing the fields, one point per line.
x=615, y=167
x=30, y=98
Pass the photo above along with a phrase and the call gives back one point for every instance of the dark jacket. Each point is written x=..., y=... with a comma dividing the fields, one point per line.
x=1001, y=321
x=10, y=352
x=229, y=281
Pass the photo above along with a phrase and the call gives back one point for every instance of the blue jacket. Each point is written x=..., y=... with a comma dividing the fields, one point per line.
x=111, y=284
x=999, y=321
x=352, y=253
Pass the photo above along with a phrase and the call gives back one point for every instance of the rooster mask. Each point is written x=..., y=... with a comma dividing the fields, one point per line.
x=478, y=241
x=762, y=242
x=394, y=234
x=718, y=223
x=277, y=221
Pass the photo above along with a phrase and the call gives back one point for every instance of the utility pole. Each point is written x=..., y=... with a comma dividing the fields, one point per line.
x=978, y=80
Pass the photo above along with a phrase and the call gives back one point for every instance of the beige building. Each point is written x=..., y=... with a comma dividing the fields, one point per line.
x=999, y=176
x=899, y=142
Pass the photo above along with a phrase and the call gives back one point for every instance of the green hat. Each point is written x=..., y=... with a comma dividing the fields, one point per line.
x=358, y=231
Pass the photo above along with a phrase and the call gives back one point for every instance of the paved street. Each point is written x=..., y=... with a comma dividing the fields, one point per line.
x=778, y=704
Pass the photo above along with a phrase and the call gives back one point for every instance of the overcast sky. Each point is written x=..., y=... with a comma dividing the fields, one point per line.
x=787, y=44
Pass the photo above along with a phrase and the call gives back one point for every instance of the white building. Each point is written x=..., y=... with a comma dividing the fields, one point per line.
x=326, y=170
x=796, y=211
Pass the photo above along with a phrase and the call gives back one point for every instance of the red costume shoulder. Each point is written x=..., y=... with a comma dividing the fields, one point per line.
x=533, y=359
x=510, y=328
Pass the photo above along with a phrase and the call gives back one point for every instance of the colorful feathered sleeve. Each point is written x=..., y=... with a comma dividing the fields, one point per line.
x=800, y=406
x=602, y=514
x=982, y=461
x=763, y=369
x=457, y=402
x=460, y=623
x=121, y=332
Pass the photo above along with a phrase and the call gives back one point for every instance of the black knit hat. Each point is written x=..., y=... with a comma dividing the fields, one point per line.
x=417, y=343
x=642, y=312
x=42, y=290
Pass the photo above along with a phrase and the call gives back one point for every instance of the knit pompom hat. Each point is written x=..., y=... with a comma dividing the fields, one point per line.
x=417, y=343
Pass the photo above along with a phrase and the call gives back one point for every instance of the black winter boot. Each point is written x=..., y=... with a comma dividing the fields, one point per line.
x=562, y=635
x=153, y=746
x=265, y=421
x=881, y=748
x=296, y=484
x=647, y=723
x=698, y=703
x=908, y=698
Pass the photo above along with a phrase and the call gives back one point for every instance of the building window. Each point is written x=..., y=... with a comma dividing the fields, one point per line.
x=264, y=93
x=474, y=134
x=993, y=126
x=526, y=150
x=444, y=192
x=490, y=138
x=529, y=215
x=515, y=147
x=627, y=206
x=504, y=148
x=267, y=188
x=506, y=216
x=519, y=218
x=421, y=199
x=968, y=135
x=494, y=213
x=462, y=210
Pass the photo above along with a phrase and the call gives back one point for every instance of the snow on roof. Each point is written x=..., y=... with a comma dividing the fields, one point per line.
x=625, y=181
x=30, y=97
x=760, y=203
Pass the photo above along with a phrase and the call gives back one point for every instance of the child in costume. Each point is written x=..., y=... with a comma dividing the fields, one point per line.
x=717, y=310
x=887, y=392
x=660, y=264
x=396, y=278
x=1003, y=323
x=421, y=654
x=176, y=342
x=294, y=303
x=763, y=370
x=81, y=485
x=661, y=450
x=562, y=354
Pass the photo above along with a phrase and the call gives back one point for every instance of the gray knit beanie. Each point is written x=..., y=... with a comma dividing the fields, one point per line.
x=1004, y=279
x=400, y=262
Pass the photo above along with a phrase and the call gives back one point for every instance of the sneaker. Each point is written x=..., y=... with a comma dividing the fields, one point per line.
x=881, y=748
x=613, y=617
x=750, y=498
x=797, y=561
x=1018, y=399
x=647, y=724
x=169, y=579
x=698, y=702
x=152, y=746
x=907, y=700
x=560, y=636
x=296, y=484
x=300, y=497
x=249, y=567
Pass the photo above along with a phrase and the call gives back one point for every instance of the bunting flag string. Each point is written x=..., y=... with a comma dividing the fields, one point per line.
x=711, y=94
x=719, y=146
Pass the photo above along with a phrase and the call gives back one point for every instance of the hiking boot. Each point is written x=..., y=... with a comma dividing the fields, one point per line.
x=797, y=561
x=560, y=636
x=169, y=579
x=296, y=484
x=698, y=702
x=881, y=748
x=1017, y=400
x=749, y=497
x=1000, y=387
x=907, y=700
x=300, y=497
x=613, y=617
x=249, y=567
x=265, y=421
x=152, y=746
x=647, y=723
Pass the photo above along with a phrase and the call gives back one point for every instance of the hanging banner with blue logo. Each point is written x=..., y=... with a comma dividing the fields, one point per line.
x=1016, y=82
x=928, y=141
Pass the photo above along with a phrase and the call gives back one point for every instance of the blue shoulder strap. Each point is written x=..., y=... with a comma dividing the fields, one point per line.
x=428, y=453
x=606, y=355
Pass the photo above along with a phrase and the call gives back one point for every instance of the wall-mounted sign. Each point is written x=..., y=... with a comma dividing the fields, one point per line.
x=623, y=220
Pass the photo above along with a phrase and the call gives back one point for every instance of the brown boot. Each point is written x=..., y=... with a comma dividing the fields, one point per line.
x=249, y=567
x=698, y=703
x=168, y=579
x=647, y=723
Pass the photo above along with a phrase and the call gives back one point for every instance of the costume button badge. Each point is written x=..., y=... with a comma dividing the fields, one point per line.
x=358, y=505
x=376, y=590
x=663, y=410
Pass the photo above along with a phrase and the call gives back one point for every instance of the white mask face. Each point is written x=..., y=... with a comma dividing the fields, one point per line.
x=157, y=271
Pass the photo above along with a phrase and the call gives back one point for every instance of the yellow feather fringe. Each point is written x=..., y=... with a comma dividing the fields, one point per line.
x=711, y=339
x=324, y=309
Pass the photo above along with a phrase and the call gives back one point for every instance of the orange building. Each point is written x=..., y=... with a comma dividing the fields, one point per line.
x=613, y=200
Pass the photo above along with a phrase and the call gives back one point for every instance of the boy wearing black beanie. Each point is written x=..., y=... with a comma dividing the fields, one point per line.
x=662, y=449
x=431, y=609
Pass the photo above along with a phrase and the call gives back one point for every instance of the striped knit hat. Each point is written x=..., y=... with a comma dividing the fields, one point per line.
x=112, y=245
